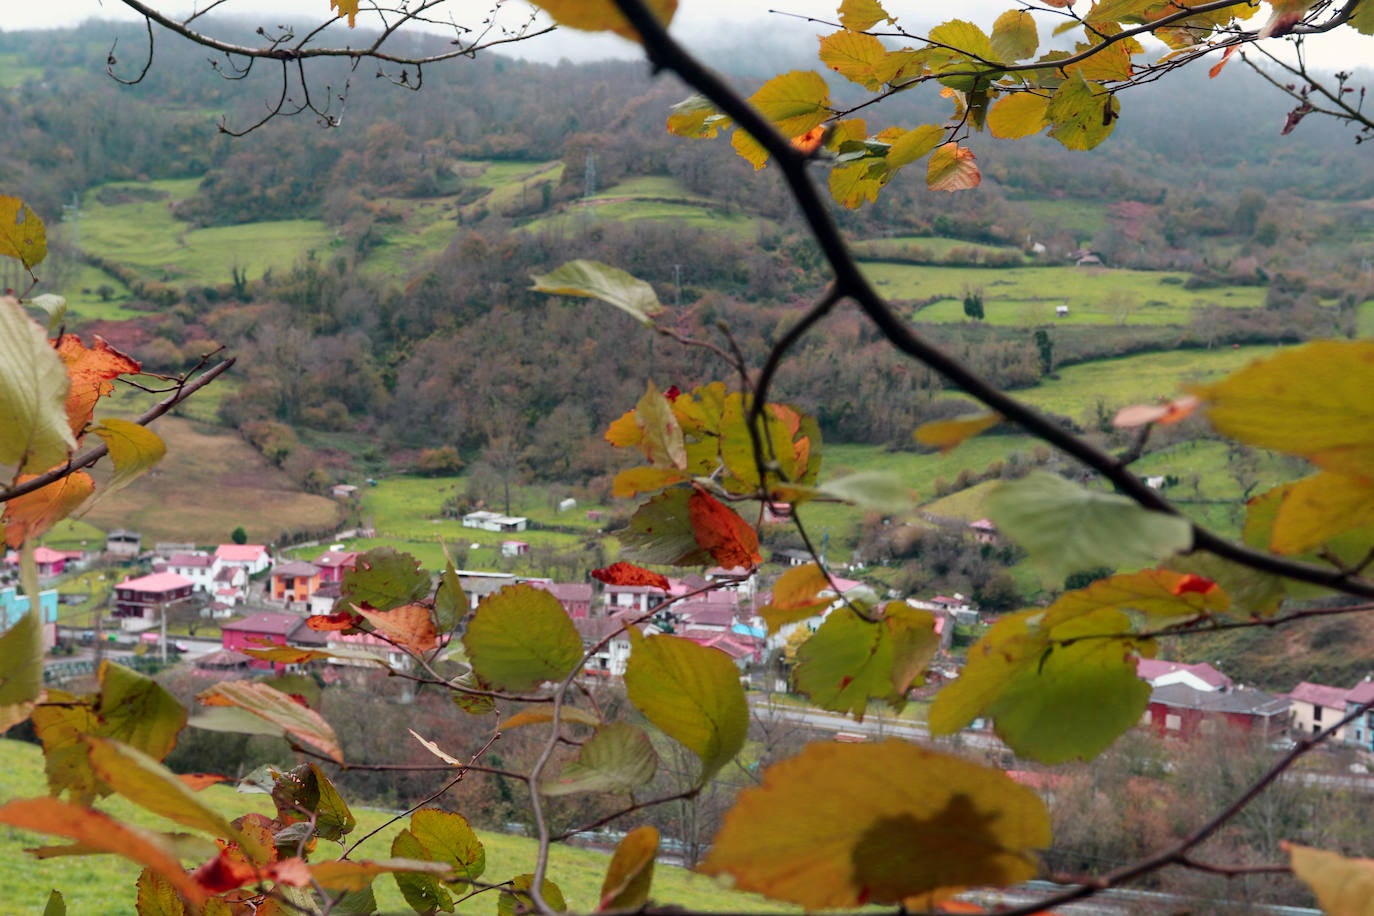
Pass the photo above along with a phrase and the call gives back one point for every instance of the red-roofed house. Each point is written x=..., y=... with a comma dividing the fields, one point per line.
x=294, y=581
x=332, y=564
x=252, y=632
x=1313, y=707
x=145, y=598
x=50, y=562
x=1182, y=711
x=576, y=597
x=252, y=557
x=1199, y=677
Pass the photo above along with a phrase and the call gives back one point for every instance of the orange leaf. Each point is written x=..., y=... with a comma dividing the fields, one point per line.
x=1193, y=583
x=952, y=168
x=1216, y=68
x=1161, y=414
x=100, y=831
x=810, y=141
x=197, y=781
x=625, y=431
x=30, y=515
x=340, y=621
x=226, y=871
x=630, y=574
x=409, y=625
x=92, y=372
x=720, y=530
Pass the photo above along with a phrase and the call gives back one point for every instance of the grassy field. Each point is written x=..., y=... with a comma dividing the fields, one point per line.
x=210, y=483
x=1084, y=220
x=105, y=884
x=935, y=246
x=144, y=235
x=85, y=304
x=1138, y=379
x=14, y=72
x=1029, y=295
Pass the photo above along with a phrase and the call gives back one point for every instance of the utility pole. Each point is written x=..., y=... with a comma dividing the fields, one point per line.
x=589, y=177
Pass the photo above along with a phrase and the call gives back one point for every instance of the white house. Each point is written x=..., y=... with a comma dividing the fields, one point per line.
x=197, y=566
x=495, y=521
x=1199, y=677
x=253, y=558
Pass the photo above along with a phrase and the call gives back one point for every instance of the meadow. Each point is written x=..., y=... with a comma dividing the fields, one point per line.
x=144, y=235
x=106, y=884
x=1029, y=296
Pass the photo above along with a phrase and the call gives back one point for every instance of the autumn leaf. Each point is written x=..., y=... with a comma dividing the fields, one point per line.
x=794, y=102
x=617, y=758
x=410, y=626
x=594, y=280
x=347, y=8
x=629, y=574
x=952, y=168
x=1343, y=886
x=859, y=15
x=894, y=822
x=729, y=539
x=92, y=371
x=1020, y=114
x=631, y=872
x=268, y=703
x=800, y=592
x=30, y=514
x=948, y=434
x=34, y=429
x=1161, y=414
x=602, y=16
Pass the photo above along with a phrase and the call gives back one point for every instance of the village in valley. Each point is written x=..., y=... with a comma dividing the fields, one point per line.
x=165, y=597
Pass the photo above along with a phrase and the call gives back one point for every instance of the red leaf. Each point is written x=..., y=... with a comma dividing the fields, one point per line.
x=225, y=871
x=1193, y=583
x=340, y=621
x=720, y=530
x=673, y=393
x=197, y=781
x=630, y=574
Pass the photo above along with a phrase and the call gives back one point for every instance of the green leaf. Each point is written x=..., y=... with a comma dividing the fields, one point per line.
x=22, y=234
x=423, y=892
x=34, y=432
x=276, y=707
x=235, y=720
x=447, y=837
x=858, y=57
x=1020, y=114
x=138, y=711
x=450, y=604
x=871, y=490
x=794, y=102
x=134, y=449
x=517, y=899
x=965, y=38
x=150, y=785
x=384, y=578
x=631, y=872
x=1081, y=117
x=1362, y=20
x=914, y=144
x=849, y=660
x=1049, y=701
x=21, y=670
x=1014, y=36
x=617, y=758
x=846, y=825
x=661, y=532
x=1068, y=528
x=521, y=637
x=1319, y=508
x=305, y=790
x=855, y=183
x=56, y=906
x=692, y=693
x=594, y=280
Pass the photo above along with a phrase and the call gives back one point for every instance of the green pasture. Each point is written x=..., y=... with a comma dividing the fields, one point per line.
x=610, y=209
x=106, y=884
x=1083, y=218
x=659, y=187
x=144, y=235
x=15, y=72
x=1141, y=379
x=1029, y=295
x=425, y=229
x=936, y=246
x=1365, y=319
x=499, y=175
x=85, y=304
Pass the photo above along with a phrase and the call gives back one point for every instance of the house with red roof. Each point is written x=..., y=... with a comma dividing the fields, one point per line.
x=51, y=563
x=1199, y=677
x=254, y=558
x=332, y=564
x=1360, y=731
x=1314, y=707
x=261, y=630
x=141, y=602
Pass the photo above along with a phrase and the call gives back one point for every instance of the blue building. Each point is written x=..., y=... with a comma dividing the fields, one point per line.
x=14, y=605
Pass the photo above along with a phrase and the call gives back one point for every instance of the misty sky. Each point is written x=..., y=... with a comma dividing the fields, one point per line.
x=698, y=20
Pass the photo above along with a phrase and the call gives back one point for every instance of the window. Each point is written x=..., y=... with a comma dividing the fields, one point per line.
x=1172, y=722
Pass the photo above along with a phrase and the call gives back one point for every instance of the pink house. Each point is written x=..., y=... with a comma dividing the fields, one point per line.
x=50, y=562
x=332, y=564
x=576, y=597
x=255, y=631
x=147, y=597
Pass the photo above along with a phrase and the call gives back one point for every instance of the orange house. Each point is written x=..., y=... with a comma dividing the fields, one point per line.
x=295, y=581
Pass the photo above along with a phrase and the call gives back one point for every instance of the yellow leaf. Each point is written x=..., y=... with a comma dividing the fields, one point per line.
x=856, y=56
x=602, y=15
x=843, y=825
x=22, y=234
x=914, y=144
x=947, y=434
x=696, y=118
x=797, y=595
x=1159, y=595
x=1014, y=36
x=535, y=716
x=1018, y=115
x=794, y=102
x=1312, y=401
x=633, y=481
x=347, y=8
x=1081, y=115
x=1320, y=507
x=1110, y=63
x=409, y=626
x=859, y=15
x=134, y=450
x=1344, y=887
x=853, y=184
x=952, y=168
x=749, y=149
x=631, y=871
